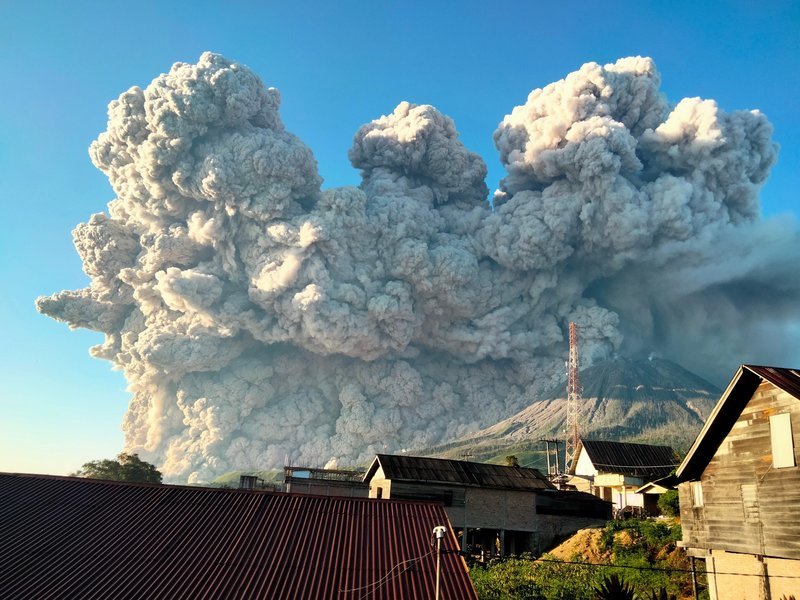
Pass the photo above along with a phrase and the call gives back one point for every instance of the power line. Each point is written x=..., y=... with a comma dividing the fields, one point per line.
x=597, y=464
x=376, y=584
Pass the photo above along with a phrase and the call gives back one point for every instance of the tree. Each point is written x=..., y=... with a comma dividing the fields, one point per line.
x=669, y=504
x=127, y=467
x=512, y=461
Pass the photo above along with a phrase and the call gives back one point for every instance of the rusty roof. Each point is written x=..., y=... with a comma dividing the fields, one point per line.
x=625, y=458
x=457, y=472
x=72, y=537
x=786, y=379
x=727, y=410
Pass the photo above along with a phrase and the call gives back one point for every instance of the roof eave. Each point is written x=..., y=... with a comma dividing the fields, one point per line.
x=372, y=468
x=719, y=423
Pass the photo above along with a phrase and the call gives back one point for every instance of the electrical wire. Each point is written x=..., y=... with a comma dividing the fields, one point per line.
x=376, y=584
x=596, y=464
x=618, y=466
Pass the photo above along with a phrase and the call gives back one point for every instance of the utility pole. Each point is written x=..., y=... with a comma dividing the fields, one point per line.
x=556, y=443
x=573, y=398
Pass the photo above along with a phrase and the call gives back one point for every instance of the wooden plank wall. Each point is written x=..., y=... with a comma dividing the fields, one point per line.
x=749, y=506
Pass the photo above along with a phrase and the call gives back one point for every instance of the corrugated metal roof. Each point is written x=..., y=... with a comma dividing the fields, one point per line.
x=727, y=410
x=458, y=472
x=70, y=537
x=625, y=458
x=786, y=379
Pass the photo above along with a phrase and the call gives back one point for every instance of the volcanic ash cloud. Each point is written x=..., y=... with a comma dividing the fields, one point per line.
x=256, y=316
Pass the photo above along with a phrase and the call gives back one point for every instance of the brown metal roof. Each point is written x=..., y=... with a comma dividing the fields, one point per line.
x=625, y=458
x=786, y=379
x=727, y=410
x=70, y=537
x=458, y=472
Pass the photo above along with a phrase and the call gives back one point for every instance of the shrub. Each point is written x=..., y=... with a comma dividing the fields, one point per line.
x=669, y=504
x=614, y=588
x=512, y=578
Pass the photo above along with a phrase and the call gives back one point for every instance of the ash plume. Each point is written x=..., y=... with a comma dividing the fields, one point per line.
x=256, y=315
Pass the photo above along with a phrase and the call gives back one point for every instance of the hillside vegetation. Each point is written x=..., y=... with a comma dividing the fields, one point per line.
x=643, y=553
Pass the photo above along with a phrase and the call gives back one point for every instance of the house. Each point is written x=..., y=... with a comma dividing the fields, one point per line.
x=66, y=537
x=740, y=487
x=325, y=482
x=658, y=486
x=503, y=510
x=615, y=471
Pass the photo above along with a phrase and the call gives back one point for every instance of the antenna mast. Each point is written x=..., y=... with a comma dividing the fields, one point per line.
x=573, y=398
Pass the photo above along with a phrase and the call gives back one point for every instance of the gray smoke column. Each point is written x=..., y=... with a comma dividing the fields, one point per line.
x=255, y=315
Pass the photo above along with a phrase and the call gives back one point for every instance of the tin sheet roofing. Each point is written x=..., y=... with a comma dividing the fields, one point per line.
x=637, y=460
x=786, y=379
x=70, y=537
x=458, y=472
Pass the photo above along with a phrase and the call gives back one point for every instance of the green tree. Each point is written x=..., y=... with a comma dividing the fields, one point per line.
x=127, y=467
x=669, y=504
x=512, y=461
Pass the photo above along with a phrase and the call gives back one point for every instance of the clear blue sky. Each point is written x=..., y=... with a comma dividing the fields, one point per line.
x=338, y=65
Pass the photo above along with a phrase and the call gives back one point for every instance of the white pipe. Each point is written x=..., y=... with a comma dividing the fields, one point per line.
x=438, y=531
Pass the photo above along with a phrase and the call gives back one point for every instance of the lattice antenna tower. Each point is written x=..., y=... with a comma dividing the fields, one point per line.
x=573, y=398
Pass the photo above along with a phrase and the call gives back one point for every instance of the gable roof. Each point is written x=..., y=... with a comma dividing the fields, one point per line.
x=625, y=458
x=457, y=472
x=72, y=537
x=659, y=486
x=727, y=410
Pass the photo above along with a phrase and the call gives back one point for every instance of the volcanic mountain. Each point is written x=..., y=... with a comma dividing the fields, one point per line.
x=646, y=400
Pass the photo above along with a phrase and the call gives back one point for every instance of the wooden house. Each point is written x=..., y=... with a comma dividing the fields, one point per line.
x=616, y=471
x=740, y=488
x=495, y=509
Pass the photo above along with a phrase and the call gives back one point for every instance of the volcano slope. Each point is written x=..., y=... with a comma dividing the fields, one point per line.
x=637, y=400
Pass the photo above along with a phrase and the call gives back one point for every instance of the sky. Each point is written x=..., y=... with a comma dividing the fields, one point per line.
x=337, y=65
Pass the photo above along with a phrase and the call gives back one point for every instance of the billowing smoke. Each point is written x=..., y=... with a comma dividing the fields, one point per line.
x=256, y=316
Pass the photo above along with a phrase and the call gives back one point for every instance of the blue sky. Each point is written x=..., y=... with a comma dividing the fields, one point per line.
x=338, y=65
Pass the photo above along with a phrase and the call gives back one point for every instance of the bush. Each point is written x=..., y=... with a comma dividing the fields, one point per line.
x=511, y=579
x=639, y=555
x=668, y=504
x=614, y=588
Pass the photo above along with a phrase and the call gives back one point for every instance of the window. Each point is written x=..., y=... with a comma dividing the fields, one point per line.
x=697, y=494
x=379, y=494
x=780, y=431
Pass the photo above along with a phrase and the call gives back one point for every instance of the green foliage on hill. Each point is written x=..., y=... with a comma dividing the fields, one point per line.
x=524, y=578
x=644, y=556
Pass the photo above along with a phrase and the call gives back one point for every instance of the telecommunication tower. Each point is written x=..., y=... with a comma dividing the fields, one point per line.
x=573, y=398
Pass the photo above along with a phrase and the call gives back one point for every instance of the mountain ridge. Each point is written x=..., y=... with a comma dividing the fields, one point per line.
x=650, y=400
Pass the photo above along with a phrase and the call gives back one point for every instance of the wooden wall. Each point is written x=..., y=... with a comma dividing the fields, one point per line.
x=749, y=506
